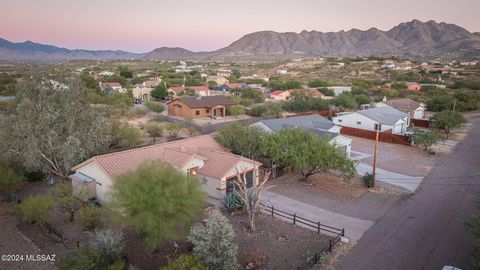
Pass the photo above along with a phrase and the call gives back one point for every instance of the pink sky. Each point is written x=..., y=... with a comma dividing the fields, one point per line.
x=143, y=25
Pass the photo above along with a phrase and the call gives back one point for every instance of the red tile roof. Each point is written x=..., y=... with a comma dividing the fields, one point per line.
x=177, y=153
x=278, y=92
x=114, y=84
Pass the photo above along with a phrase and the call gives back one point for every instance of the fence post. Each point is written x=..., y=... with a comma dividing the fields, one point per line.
x=330, y=245
x=318, y=227
x=343, y=232
x=272, y=210
x=294, y=218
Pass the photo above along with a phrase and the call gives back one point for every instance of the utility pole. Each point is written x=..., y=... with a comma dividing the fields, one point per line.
x=375, y=155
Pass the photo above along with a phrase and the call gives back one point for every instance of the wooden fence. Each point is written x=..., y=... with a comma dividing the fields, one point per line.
x=316, y=225
x=424, y=123
x=385, y=136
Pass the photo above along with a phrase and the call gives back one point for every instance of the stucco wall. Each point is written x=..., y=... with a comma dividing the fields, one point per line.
x=211, y=186
x=350, y=120
x=185, y=111
x=103, y=183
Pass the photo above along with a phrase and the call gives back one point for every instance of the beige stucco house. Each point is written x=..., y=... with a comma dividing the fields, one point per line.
x=201, y=157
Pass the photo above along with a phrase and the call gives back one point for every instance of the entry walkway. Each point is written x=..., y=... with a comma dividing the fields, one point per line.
x=354, y=228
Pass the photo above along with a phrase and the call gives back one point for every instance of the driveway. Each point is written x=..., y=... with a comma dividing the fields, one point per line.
x=354, y=227
x=428, y=231
x=407, y=182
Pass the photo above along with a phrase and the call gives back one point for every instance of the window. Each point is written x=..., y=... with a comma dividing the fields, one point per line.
x=197, y=112
x=208, y=111
x=339, y=120
x=377, y=127
x=359, y=123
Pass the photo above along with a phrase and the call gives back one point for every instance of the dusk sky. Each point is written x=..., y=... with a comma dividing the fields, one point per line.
x=143, y=25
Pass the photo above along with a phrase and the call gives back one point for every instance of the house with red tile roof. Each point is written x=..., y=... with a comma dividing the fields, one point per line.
x=201, y=157
x=115, y=86
x=200, y=107
x=279, y=95
x=414, y=86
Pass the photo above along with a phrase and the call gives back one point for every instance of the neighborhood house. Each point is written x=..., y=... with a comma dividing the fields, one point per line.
x=201, y=157
x=280, y=95
x=199, y=90
x=314, y=123
x=415, y=110
x=200, y=107
x=382, y=118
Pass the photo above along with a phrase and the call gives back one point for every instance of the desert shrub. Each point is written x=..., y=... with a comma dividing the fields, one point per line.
x=9, y=181
x=259, y=110
x=139, y=112
x=129, y=136
x=185, y=262
x=214, y=243
x=231, y=202
x=35, y=209
x=368, y=180
x=109, y=242
x=34, y=176
x=83, y=259
x=156, y=107
x=117, y=265
x=90, y=216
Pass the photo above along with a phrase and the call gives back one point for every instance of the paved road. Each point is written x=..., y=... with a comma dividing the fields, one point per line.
x=354, y=227
x=427, y=230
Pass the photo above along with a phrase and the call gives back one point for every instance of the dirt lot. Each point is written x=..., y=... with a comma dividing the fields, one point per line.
x=332, y=193
x=395, y=157
x=275, y=244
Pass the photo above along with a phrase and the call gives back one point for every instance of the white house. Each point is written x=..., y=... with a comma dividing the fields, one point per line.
x=340, y=89
x=114, y=86
x=383, y=118
x=201, y=157
x=106, y=73
x=282, y=72
x=317, y=124
x=414, y=109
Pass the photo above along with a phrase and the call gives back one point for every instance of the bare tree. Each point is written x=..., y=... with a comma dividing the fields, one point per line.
x=250, y=196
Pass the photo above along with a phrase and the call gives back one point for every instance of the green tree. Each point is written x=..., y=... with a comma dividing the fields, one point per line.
x=83, y=258
x=10, y=182
x=362, y=99
x=211, y=85
x=448, y=120
x=67, y=200
x=35, y=209
x=241, y=140
x=185, y=262
x=345, y=101
x=125, y=72
x=174, y=128
x=327, y=91
x=236, y=110
x=440, y=102
x=426, y=139
x=305, y=153
x=90, y=217
x=52, y=129
x=129, y=136
x=158, y=201
x=154, y=130
x=214, y=242
x=160, y=91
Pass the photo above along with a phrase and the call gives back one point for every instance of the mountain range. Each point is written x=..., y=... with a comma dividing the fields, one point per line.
x=410, y=39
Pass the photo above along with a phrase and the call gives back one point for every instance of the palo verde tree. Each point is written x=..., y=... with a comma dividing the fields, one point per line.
x=160, y=202
x=448, y=120
x=52, y=127
x=426, y=139
x=306, y=153
x=67, y=200
x=241, y=140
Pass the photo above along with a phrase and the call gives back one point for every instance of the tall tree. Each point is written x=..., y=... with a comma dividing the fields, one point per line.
x=241, y=140
x=158, y=201
x=426, y=138
x=68, y=201
x=154, y=130
x=52, y=127
x=448, y=120
x=304, y=152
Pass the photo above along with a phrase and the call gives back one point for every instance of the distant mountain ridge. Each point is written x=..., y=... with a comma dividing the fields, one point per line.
x=409, y=39
x=30, y=51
